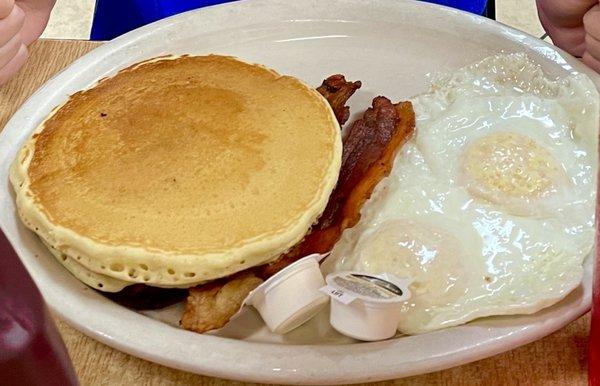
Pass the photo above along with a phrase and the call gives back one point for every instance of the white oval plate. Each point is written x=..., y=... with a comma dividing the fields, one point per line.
x=390, y=46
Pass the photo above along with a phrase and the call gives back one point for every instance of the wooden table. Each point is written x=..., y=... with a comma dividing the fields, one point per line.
x=560, y=358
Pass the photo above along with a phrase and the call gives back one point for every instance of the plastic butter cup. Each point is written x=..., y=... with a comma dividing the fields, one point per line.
x=366, y=306
x=291, y=297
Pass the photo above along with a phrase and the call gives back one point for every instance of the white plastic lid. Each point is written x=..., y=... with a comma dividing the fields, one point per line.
x=290, y=297
x=366, y=306
x=372, y=289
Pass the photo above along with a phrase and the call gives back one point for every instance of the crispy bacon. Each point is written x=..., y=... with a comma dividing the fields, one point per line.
x=369, y=149
x=337, y=91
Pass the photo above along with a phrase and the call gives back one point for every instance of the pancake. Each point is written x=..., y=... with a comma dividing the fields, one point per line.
x=180, y=170
x=95, y=280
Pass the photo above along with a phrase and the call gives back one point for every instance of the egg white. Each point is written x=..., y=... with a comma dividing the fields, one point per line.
x=473, y=255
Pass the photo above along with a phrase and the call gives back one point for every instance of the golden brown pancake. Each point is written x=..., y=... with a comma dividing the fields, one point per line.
x=180, y=170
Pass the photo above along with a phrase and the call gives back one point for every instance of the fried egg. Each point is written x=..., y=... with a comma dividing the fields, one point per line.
x=489, y=209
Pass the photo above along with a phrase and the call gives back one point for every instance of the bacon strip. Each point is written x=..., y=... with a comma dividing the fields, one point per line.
x=213, y=304
x=337, y=91
x=369, y=149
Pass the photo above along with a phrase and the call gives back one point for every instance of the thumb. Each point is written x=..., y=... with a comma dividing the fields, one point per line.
x=13, y=66
x=6, y=7
x=36, y=19
x=591, y=61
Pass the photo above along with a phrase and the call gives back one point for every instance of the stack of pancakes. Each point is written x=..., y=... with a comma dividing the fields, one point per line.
x=177, y=171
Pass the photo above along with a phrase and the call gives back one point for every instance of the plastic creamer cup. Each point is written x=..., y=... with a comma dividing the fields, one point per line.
x=366, y=306
x=291, y=297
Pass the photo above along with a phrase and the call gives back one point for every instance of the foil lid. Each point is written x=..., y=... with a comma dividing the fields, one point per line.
x=346, y=287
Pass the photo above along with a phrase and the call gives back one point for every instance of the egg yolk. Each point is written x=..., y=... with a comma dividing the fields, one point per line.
x=509, y=165
x=410, y=249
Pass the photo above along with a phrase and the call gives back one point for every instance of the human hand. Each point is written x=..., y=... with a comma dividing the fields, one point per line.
x=21, y=23
x=574, y=26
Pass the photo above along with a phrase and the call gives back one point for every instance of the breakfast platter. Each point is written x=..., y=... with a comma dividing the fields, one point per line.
x=193, y=207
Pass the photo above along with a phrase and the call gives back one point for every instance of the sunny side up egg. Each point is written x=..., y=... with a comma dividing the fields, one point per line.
x=490, y=207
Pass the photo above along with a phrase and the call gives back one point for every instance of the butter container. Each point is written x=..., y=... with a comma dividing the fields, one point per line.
x=366, y=306
x=290, y=297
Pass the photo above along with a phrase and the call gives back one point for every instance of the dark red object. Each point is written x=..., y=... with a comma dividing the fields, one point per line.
x=31, y=349
x=594, y=344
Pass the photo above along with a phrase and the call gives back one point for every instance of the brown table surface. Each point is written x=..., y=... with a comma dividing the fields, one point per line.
x=560, y=358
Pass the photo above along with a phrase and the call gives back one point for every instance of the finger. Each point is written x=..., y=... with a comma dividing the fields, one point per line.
x=6, y=7
x=571, y=40
x=38, y=14
x=565, y=13
x=591, y=22
x=14, y=65
x=591, y=61
x=10, y=25
x=10, y=50
x=592, y=46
